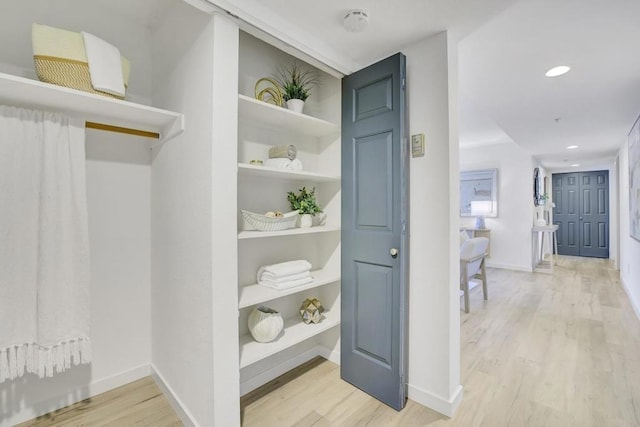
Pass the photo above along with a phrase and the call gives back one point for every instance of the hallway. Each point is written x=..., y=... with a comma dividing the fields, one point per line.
x=561, y=350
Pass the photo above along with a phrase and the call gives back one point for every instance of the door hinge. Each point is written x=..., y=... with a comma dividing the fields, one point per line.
x=404, y=82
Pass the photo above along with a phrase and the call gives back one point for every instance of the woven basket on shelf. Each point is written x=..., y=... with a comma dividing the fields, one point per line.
x=264, y=223
x=60, y=59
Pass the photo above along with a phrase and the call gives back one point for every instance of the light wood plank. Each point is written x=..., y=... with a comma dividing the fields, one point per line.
x=138, y=403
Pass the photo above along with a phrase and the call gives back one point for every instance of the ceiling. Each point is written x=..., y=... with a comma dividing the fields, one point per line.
x=506, y=47
x=502, y=68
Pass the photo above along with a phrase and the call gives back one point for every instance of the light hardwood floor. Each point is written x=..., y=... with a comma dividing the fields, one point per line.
x=140, y=403
x=544, y=350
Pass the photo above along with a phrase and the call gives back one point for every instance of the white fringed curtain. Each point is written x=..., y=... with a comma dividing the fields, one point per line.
x=44, y=244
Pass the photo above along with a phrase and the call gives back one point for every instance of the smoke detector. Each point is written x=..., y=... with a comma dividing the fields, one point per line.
x=356, y=20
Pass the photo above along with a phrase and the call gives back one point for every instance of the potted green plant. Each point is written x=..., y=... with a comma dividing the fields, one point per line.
x=305, y=203
x=543, y=199
x=296, y=84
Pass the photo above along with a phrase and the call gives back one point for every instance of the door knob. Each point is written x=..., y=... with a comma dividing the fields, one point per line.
x=394, y=253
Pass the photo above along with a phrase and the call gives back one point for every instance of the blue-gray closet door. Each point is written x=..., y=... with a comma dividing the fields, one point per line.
x=582, y=213
x=374, y=227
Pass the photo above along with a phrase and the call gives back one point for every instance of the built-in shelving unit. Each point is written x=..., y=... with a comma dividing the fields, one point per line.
x=28, y=93
x=273, y=116
x=251, y=234
x=267, y=172
x=262, y=126
x=257, y=294
x=295, y=331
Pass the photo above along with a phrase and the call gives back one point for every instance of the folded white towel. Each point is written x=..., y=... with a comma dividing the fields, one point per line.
x=105, y=65
x=288, y=284
x=278, y=164
x=296, y=165
x=284, y=269
x=270, y=277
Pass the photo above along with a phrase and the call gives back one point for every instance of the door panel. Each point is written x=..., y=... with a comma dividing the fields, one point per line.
x=374, y=174
x=374, y=209
x=565, y=214
x=374, y=306
x=374, y=98
x=595, y=216
x=582, y=213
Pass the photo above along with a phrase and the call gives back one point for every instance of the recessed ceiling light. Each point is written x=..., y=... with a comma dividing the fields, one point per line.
x=572, y=147
x=557, y=71
x=575, y=165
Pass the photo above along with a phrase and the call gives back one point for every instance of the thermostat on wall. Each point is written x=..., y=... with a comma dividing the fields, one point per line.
x=417, y=145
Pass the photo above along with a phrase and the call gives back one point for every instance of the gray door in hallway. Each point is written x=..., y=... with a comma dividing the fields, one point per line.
x=374, y=231
x=582, y=213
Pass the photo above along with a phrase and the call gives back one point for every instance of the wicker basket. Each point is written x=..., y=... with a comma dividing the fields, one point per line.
x=60, y=59
x=254, y=221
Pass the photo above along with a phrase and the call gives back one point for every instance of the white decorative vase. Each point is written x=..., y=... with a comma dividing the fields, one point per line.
x=296, y=105
x=306, y=220
x=265, y=324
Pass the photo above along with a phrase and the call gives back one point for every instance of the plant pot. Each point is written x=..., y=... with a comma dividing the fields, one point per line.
x=319, y=219
x=265, y=324
x=295, y=105
x=306, y=220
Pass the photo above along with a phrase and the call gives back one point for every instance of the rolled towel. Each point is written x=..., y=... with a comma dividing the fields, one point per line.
x=296, y=165
x=288, y=284
x=278, y=164
x=284, y=269
x=283, y=152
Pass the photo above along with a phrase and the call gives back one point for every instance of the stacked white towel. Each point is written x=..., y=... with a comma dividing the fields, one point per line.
x=285, y=275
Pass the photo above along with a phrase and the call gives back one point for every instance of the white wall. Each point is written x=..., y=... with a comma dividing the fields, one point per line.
x=511, y=229
x=629, y=247
x=193, y=258
x=118, y=186
x=226, y=365
x=434, y=325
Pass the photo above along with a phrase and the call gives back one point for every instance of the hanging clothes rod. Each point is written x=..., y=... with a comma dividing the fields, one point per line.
x=118, y=129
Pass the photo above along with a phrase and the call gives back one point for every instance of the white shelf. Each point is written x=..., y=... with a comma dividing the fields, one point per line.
x=267, y=172
x=281, y=118
x=295, y=331
x=290, y=232
x=256, y=294
x=28, y=93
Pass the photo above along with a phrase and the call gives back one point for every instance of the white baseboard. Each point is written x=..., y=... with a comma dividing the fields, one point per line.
x=332, y=356
x=526, y=269
x=181, y=410
x=446, y=407
x=272, y=373
x=74, y=396
x=635, y=306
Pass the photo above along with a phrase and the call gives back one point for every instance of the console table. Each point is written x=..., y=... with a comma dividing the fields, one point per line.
x=538, y=262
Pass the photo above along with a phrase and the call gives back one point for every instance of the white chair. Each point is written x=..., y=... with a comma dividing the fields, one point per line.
x=472, y=255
